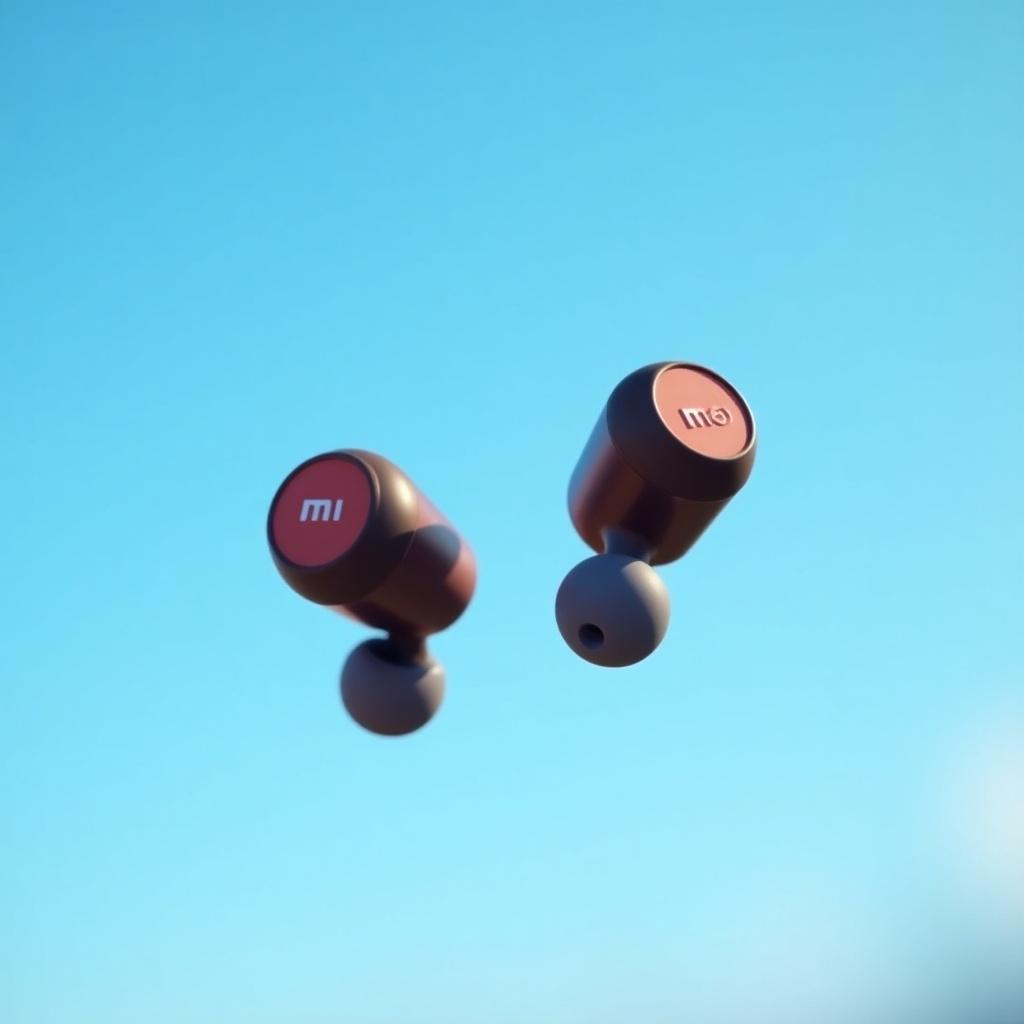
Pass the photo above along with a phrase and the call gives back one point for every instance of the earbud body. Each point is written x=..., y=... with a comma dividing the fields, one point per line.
x=351, y=531
x=673, y=444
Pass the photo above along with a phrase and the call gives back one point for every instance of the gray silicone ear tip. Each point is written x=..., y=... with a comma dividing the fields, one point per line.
x=612, y=610
x=387, y=696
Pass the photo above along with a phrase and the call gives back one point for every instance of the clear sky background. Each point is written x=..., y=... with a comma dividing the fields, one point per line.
x=234, y=236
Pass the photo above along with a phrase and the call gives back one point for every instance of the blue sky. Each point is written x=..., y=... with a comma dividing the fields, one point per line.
x=236, y=235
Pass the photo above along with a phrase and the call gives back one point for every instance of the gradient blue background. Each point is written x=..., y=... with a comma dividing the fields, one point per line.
x=233, y=236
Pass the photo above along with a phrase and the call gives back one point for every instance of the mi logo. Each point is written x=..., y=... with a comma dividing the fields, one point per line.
x=716, y=416
x=319, y=510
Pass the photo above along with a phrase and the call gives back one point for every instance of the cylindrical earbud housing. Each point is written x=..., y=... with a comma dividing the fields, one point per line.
x=673, y=444
x=348, y=529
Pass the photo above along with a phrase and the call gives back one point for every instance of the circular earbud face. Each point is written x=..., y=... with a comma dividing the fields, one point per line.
x=612, y=610
x=702, y=412
x=388, y=697
x=321, y=510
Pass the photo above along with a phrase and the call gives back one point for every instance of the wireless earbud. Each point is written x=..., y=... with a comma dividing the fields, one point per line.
x=348, y=529
x=673, y=444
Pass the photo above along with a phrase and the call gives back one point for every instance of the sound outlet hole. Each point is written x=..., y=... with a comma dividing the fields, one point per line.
x=591, y=636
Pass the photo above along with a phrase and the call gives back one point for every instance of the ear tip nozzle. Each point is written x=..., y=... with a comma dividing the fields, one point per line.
x=612, y=610
x=388, y=695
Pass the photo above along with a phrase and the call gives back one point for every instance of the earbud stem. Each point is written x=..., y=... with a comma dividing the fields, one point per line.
x=619, y=541
x=409, y=648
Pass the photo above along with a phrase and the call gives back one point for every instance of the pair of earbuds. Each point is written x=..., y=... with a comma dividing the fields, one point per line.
x=348, y=529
